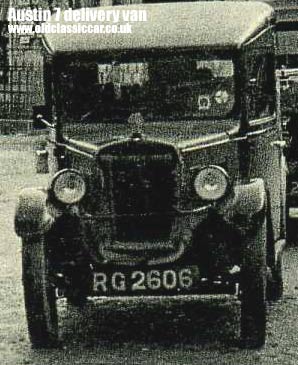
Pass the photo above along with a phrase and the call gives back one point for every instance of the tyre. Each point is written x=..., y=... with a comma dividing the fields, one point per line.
x=39, y=294
x=275, y=285
x=253, y=288
x=77, y=292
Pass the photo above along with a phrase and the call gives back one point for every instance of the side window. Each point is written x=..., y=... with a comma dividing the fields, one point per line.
x=261, y=95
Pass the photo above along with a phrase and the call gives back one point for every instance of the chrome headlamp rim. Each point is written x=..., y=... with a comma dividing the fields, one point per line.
x=54, y=182
x=226, y=176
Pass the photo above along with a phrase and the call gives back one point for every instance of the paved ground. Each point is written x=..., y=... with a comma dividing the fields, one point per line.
x=115, y=331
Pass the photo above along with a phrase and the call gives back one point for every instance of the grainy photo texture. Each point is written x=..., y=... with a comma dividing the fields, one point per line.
x=149, y=182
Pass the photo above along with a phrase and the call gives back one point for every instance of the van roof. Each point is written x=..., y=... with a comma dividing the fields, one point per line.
x=206, y=24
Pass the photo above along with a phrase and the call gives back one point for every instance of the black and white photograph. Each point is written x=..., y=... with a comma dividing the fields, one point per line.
x=148, y=182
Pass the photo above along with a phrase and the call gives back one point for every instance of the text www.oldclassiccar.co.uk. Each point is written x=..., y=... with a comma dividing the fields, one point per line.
x=83, y=20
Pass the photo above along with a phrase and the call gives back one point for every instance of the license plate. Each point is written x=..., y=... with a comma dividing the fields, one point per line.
x=294, y=188
x=145, y=281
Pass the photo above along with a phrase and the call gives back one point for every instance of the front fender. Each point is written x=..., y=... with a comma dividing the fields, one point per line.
x=32, y=217
x=248, y=200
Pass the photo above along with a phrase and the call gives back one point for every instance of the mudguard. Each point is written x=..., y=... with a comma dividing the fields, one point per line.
x=248, y=199
x=32, y=216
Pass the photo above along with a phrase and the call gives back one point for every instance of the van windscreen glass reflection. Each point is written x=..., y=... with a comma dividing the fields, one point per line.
x=166, y=89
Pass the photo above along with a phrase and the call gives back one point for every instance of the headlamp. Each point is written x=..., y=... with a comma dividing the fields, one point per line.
x=68, y=186
x=211, y=183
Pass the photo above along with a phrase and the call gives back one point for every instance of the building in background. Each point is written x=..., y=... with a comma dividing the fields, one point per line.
x=3, y=49
x=23, y=83
x=3, y=37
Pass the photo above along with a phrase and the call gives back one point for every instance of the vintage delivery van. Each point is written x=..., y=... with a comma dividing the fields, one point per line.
x=166, y=161
x=287, y=89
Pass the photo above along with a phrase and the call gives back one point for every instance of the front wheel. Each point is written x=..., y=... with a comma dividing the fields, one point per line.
x=275, y=285
x=253, y=287
x=39, y=294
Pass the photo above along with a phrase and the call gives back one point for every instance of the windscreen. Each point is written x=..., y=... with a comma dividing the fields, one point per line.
x=175, y=88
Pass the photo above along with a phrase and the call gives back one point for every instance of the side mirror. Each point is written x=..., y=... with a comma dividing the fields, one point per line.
x=41, y=115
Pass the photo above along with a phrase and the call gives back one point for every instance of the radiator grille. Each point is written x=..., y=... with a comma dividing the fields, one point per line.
x=142, y=189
